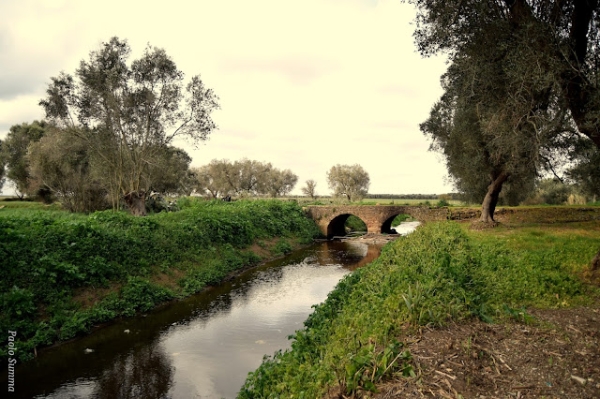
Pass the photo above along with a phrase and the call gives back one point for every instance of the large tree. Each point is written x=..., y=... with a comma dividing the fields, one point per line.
x=350, y=181
x=557, y=40
x=14, y=153
x=535, y=66
x=129, y=114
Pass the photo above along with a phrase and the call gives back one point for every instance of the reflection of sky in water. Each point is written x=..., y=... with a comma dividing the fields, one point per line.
x=235, y=341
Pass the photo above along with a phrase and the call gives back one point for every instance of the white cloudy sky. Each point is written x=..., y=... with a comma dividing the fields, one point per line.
x=302, y=84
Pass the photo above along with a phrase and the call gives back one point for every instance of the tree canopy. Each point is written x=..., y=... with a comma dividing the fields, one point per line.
x=350, y=181
x=221, y=178
x=13, y=153
x=129, y=114
x=521, y=86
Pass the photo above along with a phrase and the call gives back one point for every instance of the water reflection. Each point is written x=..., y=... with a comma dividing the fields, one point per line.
x=201, y=347
x=129, y=376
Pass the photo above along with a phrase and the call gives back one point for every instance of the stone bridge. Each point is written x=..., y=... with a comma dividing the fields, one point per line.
x=378, y=218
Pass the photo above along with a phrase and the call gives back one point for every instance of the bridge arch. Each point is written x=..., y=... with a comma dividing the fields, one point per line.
x=337, y=225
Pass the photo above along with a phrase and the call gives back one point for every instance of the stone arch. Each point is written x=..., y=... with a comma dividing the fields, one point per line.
x=336, y=226
x=386, y=226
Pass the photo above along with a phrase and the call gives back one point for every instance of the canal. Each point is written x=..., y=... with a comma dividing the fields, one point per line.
x=203, y=346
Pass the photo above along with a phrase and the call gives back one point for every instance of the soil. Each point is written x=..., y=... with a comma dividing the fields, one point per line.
x=554, y=354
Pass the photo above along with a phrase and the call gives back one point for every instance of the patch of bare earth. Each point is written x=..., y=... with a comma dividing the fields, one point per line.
x=557, y=356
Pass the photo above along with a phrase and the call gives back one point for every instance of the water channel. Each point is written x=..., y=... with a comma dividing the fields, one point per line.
x=200, y=347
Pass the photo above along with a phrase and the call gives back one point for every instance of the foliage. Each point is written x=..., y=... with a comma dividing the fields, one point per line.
x=48, y=257
x=128, y=115
x=310, y=189
x=354, y=223
x=586, y=174
x=13, y=153
x=63, y=165
x=350, y=181
x=221, y=178
x=529, y=86
x=436, y=274
x=551, y=192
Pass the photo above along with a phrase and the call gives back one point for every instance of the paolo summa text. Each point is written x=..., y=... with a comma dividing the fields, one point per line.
x=11, y=361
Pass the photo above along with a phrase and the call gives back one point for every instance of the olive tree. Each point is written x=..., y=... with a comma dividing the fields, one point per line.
x=350, y=181
x=310, y=189
x=129, y=114
x=278, y=182
x=557, y=40
x=14, y=153
x=212, y=180
x=62, y=164
x=244, y=177
x=2, y=171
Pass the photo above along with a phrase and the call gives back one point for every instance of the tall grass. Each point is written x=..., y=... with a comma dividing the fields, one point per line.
x=436, y=274
x=46, y=257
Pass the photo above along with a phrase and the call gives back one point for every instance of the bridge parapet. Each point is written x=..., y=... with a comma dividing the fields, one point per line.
x=378, y=218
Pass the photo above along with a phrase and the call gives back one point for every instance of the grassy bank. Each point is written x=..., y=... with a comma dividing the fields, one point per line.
x=61, y=273
x=442, y=272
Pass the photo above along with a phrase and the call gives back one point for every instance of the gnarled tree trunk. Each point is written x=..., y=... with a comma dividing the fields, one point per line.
x=136, y=201
x=491, y=197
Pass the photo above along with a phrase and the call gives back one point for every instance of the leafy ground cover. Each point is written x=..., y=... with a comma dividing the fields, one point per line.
x=442, y=275
x=61, y=273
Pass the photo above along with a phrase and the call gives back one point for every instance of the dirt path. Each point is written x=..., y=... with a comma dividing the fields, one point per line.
x=556, y=356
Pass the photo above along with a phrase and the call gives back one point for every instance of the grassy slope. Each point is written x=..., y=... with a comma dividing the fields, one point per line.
x=61, y=273
x=440, y=272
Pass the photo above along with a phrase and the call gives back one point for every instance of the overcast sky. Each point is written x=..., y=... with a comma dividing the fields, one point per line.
x=302, y=84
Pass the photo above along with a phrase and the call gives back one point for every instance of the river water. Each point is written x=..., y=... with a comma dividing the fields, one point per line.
x=200, y=347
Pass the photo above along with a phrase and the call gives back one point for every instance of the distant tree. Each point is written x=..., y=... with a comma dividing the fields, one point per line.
x=14, y=153
x=310, y=189
x=553, y=191
x=129, y=114
x=248, y=177
x=244, y=177
x=2, y=170
x=279, y=182
x=586, y=174
x=350, y=181
x=212, y=179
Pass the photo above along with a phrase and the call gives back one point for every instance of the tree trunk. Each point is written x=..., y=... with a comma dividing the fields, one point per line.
x=136, y=201
x=491, y=197
x=596, y=262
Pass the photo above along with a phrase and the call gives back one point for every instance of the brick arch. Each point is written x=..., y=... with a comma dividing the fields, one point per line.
x=378, y=218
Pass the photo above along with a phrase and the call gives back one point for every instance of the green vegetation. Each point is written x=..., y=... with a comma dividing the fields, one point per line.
x=62, y=273
x=437, y=274
x=354, y=223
